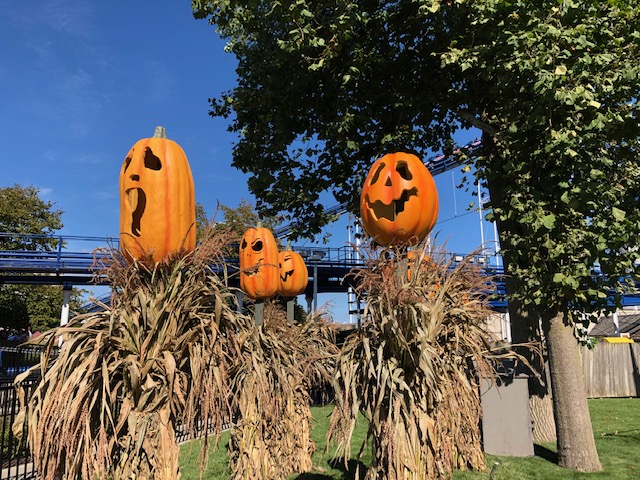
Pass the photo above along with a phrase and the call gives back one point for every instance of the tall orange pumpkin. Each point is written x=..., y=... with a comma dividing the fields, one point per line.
x=157, y=200
x=399, y=200
x=259, y=272
x=294, y=275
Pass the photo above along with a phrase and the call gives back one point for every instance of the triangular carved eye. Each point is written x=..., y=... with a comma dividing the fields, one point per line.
x=376, y=175
x=244, y=244
x=403, y=170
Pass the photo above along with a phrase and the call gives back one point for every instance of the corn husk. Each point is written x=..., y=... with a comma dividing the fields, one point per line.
x=414, y=369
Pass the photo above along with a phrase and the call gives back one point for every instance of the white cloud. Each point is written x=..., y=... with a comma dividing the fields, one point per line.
x=50, y=156
x=90, y=159
x=71, y=17
x=106, y=195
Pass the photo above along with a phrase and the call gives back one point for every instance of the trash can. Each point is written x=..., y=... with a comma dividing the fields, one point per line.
x=506, y=419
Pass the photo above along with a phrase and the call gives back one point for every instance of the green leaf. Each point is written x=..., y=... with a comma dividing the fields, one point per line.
x=618, y=214
x=561, y=70
x=549, y=221
x=434, y=7
x=559, y=277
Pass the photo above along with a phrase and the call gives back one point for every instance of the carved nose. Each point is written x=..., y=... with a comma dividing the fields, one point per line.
x=135, y=178
x=388, y=182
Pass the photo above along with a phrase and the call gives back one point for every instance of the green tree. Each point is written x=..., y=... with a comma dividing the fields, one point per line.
x=243, y=217
x=35, y=306
x=238, y=219
x=554, y=93
x=25, y=223
x=23, y=212
x=325, y=87
x=201, y=221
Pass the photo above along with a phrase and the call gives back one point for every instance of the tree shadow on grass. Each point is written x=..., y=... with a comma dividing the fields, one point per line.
x=348, y=472
x=543, y=452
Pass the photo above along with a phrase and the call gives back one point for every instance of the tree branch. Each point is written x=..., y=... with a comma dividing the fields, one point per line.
x=476, y=122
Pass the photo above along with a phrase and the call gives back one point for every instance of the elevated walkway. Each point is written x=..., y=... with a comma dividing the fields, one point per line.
x=328, y=267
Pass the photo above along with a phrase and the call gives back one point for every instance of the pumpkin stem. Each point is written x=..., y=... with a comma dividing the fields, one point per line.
x=160, y=132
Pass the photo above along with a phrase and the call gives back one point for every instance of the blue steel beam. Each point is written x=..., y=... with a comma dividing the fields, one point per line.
x=61, y=267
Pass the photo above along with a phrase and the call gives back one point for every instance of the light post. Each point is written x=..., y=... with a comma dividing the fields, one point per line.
x=314, y=256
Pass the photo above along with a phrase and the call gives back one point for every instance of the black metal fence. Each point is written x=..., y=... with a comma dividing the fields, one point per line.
x=15, y=360
x=15, y=458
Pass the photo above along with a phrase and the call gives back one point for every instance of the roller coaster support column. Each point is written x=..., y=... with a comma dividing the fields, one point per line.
x=64, y=314
x=240, y=300
x=309, y=299
x=315, y=287
x=291, y=311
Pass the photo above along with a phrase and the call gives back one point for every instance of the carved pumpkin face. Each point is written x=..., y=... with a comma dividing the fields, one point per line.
x=294, y=274
x=399, y=201
x=157, y=200
x=259, y=273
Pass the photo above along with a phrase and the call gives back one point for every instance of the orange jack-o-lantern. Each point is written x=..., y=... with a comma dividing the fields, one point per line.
x=294, y=274
x=259, y=272
x=399, y=201
x=157, y=200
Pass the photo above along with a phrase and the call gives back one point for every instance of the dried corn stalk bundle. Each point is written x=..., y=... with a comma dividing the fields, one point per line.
x=414, y=369
x=108, y=404
x=277, y=367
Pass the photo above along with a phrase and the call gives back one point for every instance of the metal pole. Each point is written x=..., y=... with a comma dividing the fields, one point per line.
x=259, y=306
x=290, y=311
x=239, y=300
x=64, y=314
x=315, y=286
x=480, y=212
x=455, y=203
x=497, y=244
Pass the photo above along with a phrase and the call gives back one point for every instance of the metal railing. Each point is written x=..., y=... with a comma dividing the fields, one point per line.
x=15, y=457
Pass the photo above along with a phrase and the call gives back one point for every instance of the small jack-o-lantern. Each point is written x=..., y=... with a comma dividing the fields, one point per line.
x=157, y=200
x=294, y=274
x=399, y=201
x=259, y=273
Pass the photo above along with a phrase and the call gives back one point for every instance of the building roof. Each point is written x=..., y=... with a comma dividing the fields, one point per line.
x=629, y=324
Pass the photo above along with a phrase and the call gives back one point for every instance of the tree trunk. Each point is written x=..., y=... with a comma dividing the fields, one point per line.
x=525, y=321
x=576, y=445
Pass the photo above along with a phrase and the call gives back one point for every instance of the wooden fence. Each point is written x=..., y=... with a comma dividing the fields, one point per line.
x=612, y=370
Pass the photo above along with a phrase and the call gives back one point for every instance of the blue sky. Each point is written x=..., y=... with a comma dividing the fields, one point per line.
x=81, y=82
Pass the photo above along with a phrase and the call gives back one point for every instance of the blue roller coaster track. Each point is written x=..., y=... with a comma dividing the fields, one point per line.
x=50, y=259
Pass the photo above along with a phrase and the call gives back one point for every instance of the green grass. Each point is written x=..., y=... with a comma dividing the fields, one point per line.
x=616, y=426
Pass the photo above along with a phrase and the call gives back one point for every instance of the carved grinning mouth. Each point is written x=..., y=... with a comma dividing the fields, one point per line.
x=137, y=203
x=391, y=210
x=286, y=275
